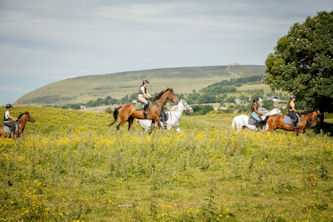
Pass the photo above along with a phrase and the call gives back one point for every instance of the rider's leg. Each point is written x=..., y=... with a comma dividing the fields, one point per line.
x=256, y=117
x=143, y=100
x=163, y=117
x=294, y=118
x=11, y=125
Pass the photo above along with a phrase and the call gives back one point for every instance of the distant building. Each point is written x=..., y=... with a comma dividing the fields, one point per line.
x=238, y=101
x=275, y=99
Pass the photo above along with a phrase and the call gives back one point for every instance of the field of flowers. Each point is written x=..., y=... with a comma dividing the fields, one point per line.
x=69, y=166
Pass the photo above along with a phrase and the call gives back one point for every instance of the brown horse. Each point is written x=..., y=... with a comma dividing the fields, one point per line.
x=22, y=120
x=128, y=112
x=277, y=121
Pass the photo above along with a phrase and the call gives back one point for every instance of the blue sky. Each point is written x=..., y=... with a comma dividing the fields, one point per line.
x=42, y=41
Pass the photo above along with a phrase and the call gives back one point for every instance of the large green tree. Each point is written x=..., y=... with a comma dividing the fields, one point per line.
x=302, y=63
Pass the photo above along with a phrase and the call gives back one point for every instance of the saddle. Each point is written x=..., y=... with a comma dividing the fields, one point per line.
x=140, y=106
x=288, y=120
x=7, y=129
x=252, y=121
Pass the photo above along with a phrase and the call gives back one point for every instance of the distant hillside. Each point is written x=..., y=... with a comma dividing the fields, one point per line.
x=183, y=80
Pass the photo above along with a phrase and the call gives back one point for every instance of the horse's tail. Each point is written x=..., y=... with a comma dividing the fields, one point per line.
x=233, y=124
x=115, y=115
x=266, y=118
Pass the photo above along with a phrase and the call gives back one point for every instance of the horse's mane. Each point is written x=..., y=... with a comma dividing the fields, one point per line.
x=159, y=95
x=23, y=114
x=307, y=112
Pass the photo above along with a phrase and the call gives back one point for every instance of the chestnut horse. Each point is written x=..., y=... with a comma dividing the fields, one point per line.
x=128, y=112
x=22, y=120
x=277, y=121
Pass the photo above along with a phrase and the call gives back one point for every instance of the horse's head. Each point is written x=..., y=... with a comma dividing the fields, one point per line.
x=314, y=118
x=26, y=117
x=186, y=106
x=172, y=96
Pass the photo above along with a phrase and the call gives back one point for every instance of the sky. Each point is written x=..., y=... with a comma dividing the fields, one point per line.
x=42, y=41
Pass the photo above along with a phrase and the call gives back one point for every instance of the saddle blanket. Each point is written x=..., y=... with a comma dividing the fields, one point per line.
x=140, y=106
x=252, y=121
x=6, y=129
x=288, y=120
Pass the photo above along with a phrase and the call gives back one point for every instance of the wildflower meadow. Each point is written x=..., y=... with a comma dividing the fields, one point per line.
x=69, y=166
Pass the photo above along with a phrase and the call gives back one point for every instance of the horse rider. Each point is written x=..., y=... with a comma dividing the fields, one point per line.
x=143, y=96
x=7, y=117
x=163, y=116
x=254, y=108
x=292, y=111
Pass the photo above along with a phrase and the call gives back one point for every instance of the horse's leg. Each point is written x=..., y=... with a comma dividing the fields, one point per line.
x=120, y=124
x=158, y=121
x=152, y=126
x=304, y=131
x=130, y=122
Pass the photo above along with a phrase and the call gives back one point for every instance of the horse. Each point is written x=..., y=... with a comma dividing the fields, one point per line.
x=128, y=112
x=241, y=121
x=22, y=120
x=277, y=121
x=174, y=116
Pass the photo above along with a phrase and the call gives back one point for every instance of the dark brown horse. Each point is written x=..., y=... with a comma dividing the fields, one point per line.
x=128, y=112
x=22, y=120
x=277, y=121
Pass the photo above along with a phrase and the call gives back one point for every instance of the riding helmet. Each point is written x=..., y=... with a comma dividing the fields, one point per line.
x=145, y=81
x=292, y=97
x=8, y=106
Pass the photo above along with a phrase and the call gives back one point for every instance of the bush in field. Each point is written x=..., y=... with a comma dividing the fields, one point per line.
x=200, y=110
x=268, y=104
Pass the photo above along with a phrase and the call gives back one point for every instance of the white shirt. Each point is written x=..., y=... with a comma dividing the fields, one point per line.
x=7, y=114
x=142, y=89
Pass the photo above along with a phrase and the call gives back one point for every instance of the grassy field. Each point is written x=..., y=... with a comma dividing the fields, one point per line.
x=117, y=85
x=69, y=166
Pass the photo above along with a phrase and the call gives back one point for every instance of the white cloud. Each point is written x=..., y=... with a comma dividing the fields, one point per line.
x=60, y=39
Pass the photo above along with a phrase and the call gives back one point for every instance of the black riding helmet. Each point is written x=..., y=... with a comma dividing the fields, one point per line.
x=145, y=81
x=8, y=106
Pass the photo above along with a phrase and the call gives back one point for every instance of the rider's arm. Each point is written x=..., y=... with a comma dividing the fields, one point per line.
x=146, y=94
x=12, y=118
x=255, y=110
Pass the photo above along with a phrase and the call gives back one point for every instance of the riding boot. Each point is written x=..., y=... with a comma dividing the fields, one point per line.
x=294, y=123
x=13, y=132
x=145, y=110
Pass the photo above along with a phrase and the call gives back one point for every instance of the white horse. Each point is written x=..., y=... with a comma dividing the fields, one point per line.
x=174, y=116
x=241, y=121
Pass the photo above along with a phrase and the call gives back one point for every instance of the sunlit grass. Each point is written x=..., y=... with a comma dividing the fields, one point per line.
x=70, y=166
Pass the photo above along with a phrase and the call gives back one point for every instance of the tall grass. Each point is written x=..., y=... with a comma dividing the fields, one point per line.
x=70, y=166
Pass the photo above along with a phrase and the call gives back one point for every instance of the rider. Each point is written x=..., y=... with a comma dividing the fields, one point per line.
x=7, y=117
x=143, y=95
x=163, y=116
x=254, y=108
x=291, y=110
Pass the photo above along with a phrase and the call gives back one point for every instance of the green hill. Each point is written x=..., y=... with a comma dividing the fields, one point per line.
x=183, y=80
